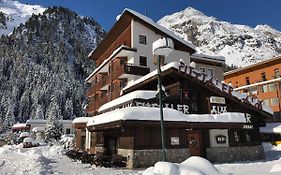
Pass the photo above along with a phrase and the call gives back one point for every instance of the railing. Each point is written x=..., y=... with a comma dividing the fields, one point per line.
x=129, y=69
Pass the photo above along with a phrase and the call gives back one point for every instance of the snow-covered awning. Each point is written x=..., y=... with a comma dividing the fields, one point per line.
x=152, y=114
x=271, y=128
x=81, y=120
x=139, y=94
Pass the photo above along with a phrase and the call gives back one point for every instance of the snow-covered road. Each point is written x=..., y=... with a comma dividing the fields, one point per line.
x=51, y=160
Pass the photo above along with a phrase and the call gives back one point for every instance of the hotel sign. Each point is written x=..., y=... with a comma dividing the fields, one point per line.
x=217, y=100
x=210, y=81
x=184, y=108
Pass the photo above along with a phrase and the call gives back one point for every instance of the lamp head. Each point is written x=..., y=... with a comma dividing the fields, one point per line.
x=163, y=46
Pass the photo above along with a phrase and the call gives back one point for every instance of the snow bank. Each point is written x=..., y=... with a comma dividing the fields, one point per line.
x=192, y=166
x=24, y=134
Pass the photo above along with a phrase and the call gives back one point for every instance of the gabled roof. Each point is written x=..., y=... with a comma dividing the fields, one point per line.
x=254, y=67
x=124, y=20
x=200, y=56
x=159, y=27
x=172, y=69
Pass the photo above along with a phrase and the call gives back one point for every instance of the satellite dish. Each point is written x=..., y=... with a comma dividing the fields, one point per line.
x=163, y=46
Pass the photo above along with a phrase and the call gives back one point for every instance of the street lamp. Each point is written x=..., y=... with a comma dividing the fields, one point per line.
x=163, y=46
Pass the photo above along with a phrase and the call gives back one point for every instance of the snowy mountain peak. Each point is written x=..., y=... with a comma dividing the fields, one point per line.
x=192, y=11
x=13, y=13
x=240, y=44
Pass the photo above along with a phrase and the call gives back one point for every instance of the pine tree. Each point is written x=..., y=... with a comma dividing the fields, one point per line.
x=53, y=129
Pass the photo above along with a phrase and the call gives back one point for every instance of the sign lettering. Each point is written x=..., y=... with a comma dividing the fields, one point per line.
x=210, y=81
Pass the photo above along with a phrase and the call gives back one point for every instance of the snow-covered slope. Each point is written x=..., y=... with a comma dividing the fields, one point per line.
x=240, y=44
x=14, y=13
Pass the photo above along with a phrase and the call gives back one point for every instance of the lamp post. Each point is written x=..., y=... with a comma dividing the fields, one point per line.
x=162, y=46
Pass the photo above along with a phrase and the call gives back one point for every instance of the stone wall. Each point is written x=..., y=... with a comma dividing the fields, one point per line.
x=232, y=154
x=146, y=158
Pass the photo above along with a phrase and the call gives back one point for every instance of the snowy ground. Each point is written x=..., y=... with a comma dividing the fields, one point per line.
x=51, y=160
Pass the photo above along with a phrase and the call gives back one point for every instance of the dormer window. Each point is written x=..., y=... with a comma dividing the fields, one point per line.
x=142, y=39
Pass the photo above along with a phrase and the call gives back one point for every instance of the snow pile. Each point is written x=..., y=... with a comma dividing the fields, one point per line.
x=192, y=166
x=16, y=13
x=240, y=44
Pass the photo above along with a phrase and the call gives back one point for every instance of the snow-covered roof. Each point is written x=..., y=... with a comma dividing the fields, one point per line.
x=38, y=129
x=130, y=96
x=41, y=121
x=151, y=74
x=19, y=125
x=218, y=85
x=271, y=128
x=112, y=56
x=159, y=27
x=258, y=84
x=81, y=120
x=152, y=114
x=201, y=56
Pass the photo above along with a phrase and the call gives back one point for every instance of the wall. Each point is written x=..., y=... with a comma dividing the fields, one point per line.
x=146, y=158
x=146, y=50
x=218, y=70
x=232, y=154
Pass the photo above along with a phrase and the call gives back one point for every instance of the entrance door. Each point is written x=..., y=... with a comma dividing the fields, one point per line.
x=110, y=144
x=195, y=143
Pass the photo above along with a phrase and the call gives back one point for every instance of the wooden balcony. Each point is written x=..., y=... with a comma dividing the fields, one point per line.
x=95, y=104
x=129, y=69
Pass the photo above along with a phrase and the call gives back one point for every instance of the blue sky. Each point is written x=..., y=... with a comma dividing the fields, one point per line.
x=248, y=12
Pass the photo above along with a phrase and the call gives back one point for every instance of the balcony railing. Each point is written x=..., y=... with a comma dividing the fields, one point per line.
x=129, y=69
x=95, y=104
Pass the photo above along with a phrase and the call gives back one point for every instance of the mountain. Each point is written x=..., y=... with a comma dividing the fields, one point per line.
x=13, y=13
x=240, y=44
x=43, y=65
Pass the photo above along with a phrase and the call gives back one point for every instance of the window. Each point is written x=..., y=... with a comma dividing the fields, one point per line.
x=103, y=94
x=264, y=88
x=263, y=76
x=274, y=101
x=67, y=131
x=203, y=69
x=143, y=61
x=272, y=87
x=266, y=102
x=142, y=39
x=210, y=72
x=276, y=73
x=122, y=84
x=247, y=80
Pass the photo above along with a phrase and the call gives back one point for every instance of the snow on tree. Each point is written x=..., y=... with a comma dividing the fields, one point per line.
x=39, y=113
x=53, y=129
x=46, y=57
